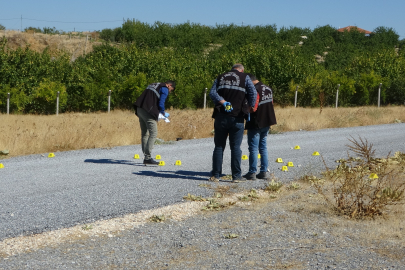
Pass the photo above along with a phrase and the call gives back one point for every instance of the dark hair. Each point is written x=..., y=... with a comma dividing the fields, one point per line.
x=172, y=83
x=252, y=77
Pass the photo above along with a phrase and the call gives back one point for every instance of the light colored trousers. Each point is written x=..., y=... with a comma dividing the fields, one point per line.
x=149, y=132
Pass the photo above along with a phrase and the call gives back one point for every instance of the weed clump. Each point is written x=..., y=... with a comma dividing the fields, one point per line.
x=273, y=186
x=363, y=186
x=157, y=218
x=251, y=196
x=193, y=198
x=213, y=205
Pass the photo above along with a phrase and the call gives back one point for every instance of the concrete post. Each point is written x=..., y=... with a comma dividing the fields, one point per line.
x=57, y=103
x=205, y=98
x=8, y=103
x=337, y=95
x=109, y=100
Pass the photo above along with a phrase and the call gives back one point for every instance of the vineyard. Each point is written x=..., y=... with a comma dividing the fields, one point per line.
x=126, y=59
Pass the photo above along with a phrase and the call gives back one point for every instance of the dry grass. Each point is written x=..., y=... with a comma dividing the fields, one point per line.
x=33, y=134
x=291, y=118
x=75, y=44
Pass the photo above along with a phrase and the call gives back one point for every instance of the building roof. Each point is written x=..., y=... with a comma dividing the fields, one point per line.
x=348, y=28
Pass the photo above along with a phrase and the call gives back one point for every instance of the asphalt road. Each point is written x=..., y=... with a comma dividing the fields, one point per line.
x=39, y=194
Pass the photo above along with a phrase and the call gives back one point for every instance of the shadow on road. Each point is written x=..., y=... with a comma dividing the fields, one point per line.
x=113, y=161
x=188, y=175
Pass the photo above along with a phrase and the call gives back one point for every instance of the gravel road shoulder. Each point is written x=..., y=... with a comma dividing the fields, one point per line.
x=296, y=230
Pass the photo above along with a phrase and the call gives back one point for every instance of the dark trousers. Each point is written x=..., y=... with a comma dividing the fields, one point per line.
x=234, y=127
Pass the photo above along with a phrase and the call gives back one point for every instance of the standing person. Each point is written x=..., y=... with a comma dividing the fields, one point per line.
x=147, y=107
x=229, y=93
x=261, y=118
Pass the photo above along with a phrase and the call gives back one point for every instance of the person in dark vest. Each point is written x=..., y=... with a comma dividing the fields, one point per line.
x=262, y=116
x=147, y=107
x=231, y=92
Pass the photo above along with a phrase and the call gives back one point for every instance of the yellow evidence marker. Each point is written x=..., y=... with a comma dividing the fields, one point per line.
x=284, y=169
x=162, y=163
x=51, y=155
x=259, y=156
x=136, y=156
x=315, y=153
x=279, y=160
x=178, y=163
x=1, y=166
x=158, y=157
x=244, y=157
x=290, y=164
x=297, y=147
x=373, y=176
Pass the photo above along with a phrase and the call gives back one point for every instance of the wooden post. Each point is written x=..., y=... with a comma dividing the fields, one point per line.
x=57, y=103
x=379, y=94
x=8, y=103
x=205, y=98
x=109, y=100
x=296, y=93
x=337, y=95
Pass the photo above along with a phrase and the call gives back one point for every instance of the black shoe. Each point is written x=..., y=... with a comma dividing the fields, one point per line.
x=263, y=175
x=250, y=176
x=238, y=179
x=150, y=162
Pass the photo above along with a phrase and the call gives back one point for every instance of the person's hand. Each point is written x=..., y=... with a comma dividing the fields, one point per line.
x=228, y=106
x=167, y=114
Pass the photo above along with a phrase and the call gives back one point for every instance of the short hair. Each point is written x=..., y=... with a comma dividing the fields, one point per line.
x=238, y=66
x=252, y=77
x=172, y=83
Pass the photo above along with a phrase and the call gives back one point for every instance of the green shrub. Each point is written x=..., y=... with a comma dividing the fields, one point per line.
x=18, y=99
x=44, y=97
x=128, y=91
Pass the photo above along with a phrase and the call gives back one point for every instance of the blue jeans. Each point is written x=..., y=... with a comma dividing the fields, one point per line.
x=233, y=126
x=257, y=141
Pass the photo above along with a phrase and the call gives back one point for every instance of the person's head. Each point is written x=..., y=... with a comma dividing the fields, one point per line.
x=253, y=78
x=171, y=85
x=238, y=67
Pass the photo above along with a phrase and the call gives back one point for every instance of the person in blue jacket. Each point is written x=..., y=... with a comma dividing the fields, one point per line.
x=147, y=107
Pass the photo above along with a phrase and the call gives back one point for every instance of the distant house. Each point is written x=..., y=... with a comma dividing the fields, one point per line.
x=349, y=28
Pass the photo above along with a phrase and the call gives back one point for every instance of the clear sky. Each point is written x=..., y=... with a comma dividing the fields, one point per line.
x=90, y=15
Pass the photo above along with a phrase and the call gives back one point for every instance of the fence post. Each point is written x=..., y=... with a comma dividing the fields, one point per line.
x=109, y=100
x=205, y=98
x=379, y=94
x=8, y=103
x=296, y=92
x=57, y=103
x=337, y=95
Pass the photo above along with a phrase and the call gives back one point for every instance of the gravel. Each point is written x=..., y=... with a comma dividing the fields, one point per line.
x=40, y=194
x=269, y=235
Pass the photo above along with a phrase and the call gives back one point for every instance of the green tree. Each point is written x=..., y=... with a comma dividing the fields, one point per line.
x=44, y=97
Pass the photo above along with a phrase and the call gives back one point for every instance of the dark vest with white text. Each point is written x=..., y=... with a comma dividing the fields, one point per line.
x=149, y=99
x=232, y=87
x=264, y=116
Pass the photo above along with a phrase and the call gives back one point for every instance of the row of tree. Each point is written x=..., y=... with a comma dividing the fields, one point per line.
x=282, y=59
